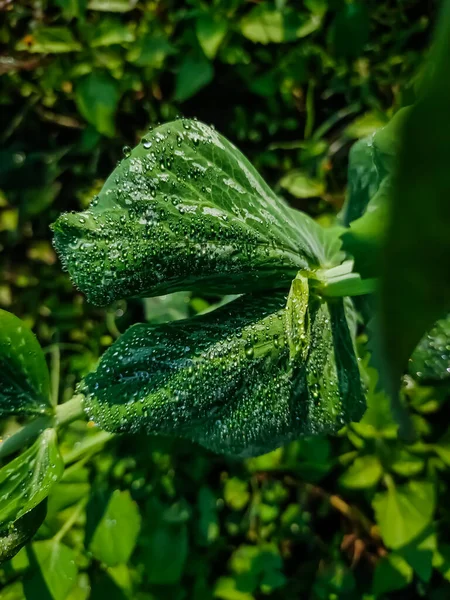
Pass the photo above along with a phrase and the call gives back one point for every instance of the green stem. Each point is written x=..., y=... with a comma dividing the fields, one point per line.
x=64, y=414
x=72, y=410
x=24, y=435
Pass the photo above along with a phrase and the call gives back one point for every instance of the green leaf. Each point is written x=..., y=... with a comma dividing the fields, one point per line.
x=236, y=493
x=210, y=30
x=301, y=185
x=150, y=51
x=258, y=568
x=119, y=6
x=419, y=553
x=164, y=548
x=187, y=211
x=208, y=522
x=226, y=588
x=264, y=24
x=27, y=480
x=403, y=512
x=415, y=286
x=24, y=378
x=365, y=472
x=116, y=534
x=57, y=573
x=391, y=573
x=109, y=31
x=16, y=535
x=227, y=379
x=50, y=40
x=430, y=361
x=194, y=73
x=97, y=96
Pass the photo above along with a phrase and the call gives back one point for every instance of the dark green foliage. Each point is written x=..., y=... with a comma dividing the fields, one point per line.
x=292, y=85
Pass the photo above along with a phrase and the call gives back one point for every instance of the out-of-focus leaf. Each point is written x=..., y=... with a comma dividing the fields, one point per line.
x=265, y=24
x=365, y=472
x=229, y=379
x=187, y=211
x=119, y=6
x=404, y=511
x=364, y=126
x=115, y=536
x=236, y=493
x=50, y=40
x=150, y=51
x=109, y=31
x=164, y=548
x=24, y=378
x=27, y=480
x=258, y=568
x=391, y=573
x=15, y=536
x=419, y=553
x=210, y=31
x=194, y=73
x=97, y=96
x=300, y=185
x=57, y=571
x=415, y=286
x=72, y=9
x=208, y=522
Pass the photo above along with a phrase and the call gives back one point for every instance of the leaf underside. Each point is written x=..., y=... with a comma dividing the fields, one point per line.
x=235, y=380
x=187, y=211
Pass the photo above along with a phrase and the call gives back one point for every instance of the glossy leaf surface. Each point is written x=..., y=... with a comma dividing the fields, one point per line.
x=24, y=378
x=185, y=210
x=14, y=537
x=27, y=480
x=430, y=360
x=235, y=380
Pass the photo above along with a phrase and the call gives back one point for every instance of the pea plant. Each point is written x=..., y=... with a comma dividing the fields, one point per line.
x=185, y=210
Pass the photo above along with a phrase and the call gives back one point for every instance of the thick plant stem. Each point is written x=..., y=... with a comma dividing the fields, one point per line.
x=65, y=414
x=69, y=411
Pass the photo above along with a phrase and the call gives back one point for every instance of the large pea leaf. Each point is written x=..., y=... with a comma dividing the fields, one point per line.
x=27, y=480
x=24, y=378
x=237, y=380
x=185, y=210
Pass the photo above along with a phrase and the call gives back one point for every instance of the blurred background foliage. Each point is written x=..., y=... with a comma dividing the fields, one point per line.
x=293, y=85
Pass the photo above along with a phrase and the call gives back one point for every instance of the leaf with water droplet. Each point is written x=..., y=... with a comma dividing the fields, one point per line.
x=15, y=535
x=27, y=480
x=185, y=210
x=430, y=360
x=24, y=378
x=229, y=379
